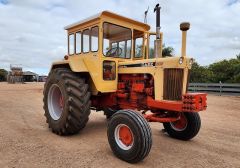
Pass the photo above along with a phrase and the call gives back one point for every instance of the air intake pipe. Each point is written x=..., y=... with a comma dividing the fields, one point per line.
x=184, y=27
x=158, y=41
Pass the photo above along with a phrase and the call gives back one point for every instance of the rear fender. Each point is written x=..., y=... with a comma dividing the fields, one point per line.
x=78, y=66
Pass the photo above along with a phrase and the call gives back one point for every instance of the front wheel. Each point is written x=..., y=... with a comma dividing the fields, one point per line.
x=185, y=128
x=129, y=136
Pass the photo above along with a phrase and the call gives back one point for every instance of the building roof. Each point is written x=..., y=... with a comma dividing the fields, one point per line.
x=29, y=73
x=106, y=13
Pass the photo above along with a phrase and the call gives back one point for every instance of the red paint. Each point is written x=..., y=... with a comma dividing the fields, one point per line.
x=136, y=91
x=125, y=135
x=153, y=117
x=181, y=123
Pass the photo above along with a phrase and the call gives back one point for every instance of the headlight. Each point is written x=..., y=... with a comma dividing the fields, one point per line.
x=191, y=61
x=180, y=60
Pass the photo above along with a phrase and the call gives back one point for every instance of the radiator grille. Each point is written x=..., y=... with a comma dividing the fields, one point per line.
x=173, y=84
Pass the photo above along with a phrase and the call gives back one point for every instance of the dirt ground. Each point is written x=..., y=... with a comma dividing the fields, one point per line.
x=25, y=140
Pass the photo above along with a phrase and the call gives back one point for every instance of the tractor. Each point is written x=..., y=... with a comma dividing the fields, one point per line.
x=114, y=64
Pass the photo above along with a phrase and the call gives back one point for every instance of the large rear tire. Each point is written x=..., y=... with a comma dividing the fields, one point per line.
x=66, y=101
x=129, y=136
x=186, y=128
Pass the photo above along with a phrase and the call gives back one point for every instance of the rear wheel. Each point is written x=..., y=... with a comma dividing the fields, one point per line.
x=129, y=136
x=66, y=102
x=185, y=128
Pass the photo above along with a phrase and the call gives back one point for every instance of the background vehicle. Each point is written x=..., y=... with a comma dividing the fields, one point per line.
x=109, y=67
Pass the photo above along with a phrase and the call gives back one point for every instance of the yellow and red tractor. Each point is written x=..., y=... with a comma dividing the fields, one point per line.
x=114, y=64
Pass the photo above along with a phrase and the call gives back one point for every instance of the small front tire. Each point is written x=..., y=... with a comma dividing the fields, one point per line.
x=129, y=136
x=184, y=129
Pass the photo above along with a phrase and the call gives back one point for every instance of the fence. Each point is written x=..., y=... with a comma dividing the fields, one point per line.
x=220, y=88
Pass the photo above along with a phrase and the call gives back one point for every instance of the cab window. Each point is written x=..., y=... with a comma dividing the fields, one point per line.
x=152, y=37
x=71, y=44
x=138, y=43
x=116, y=41
x=94, y=39
x=78, y=42
x=128, y=48
x=86, y=40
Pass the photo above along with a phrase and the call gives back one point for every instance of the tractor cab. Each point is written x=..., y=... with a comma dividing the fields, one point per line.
x=109, y=36
x=100, y=42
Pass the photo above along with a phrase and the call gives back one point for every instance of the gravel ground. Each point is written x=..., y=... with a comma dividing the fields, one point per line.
x=25, y=140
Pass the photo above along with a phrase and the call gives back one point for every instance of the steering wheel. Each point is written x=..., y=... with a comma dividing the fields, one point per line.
x=116, y=51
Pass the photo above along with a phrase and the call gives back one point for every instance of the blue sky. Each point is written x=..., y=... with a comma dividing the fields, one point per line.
x=32, y=34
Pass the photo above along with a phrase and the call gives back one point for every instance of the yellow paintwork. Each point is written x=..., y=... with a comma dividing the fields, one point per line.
x=92, y=62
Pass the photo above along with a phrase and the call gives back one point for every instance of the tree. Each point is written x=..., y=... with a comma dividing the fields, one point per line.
x=226, y=70
x=238, y=56
x=167, y=51
x=3, y=75
x=200, y=73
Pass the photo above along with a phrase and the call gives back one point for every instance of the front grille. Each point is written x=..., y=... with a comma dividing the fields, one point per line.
x=173, y=84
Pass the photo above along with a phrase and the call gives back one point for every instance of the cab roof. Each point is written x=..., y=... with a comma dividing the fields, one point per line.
x=109, y=14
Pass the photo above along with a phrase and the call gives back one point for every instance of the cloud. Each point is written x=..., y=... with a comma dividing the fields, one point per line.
x=31, y=32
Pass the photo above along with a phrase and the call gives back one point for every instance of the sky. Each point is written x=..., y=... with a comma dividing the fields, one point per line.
x=32, y=34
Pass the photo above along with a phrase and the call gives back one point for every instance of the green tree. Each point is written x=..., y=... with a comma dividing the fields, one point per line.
x=200, y=73
x=227, y=71
x=3, y=75
x=238, y=56
x=167, y=51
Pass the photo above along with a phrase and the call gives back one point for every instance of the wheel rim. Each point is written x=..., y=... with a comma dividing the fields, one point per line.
x=124, y=137
x=55, y=102
x=180, y=124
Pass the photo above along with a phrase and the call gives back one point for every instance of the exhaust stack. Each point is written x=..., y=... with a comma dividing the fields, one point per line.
x=184, y=27
x=158, y=41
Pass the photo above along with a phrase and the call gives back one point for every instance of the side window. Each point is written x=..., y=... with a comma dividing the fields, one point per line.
x=86, y=40
x=151, y=45
x=71, y=44
x=78, y=42
x=106, y=44
x=114, y=45
x=94, y=39
x=138, y=47
x=121, y=45
x=128, y=48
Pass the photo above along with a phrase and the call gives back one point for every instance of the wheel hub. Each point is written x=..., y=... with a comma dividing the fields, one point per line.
x=55, y=102
x=180, y=124
x=124, y=136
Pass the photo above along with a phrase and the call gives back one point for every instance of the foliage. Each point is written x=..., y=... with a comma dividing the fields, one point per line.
x=200, y=73
x=166, y=51
x=238, y=56
x=226, y=71
x=3, y=75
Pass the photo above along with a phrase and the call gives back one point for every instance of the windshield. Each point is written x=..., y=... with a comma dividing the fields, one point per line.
x=116, y=41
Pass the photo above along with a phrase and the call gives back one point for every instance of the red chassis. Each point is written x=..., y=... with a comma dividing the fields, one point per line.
x=191, y=102
x=137, y=92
